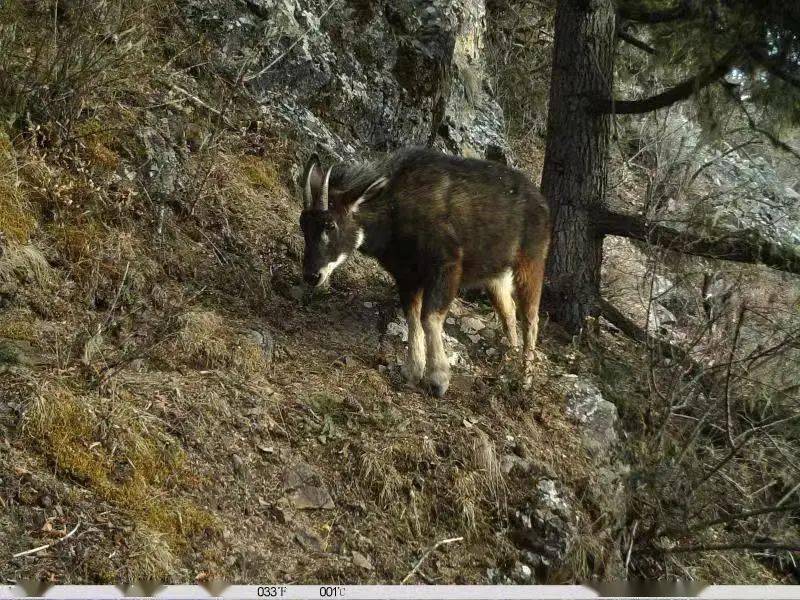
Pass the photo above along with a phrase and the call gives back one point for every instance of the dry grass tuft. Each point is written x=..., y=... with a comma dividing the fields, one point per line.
x=260, y=174
x=151, y=557
x=468, y=495
x=205, y=340
x=121, y=455
x=487, y=463
x=17, y=220
x=18, y=325
x=26, y=264
x=381, y=475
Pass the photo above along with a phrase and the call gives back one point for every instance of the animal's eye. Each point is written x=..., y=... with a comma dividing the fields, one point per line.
x=330, y=226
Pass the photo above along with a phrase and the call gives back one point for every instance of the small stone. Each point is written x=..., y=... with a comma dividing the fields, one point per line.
x=238, y=464
x=522, y=572
x=471, y=325
x=264, y=340
x=308, y=540
x=362, y=561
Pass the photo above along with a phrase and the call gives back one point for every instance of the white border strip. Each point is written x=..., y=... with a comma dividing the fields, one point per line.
x=383, y=592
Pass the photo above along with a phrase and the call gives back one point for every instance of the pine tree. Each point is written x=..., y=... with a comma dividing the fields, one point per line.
x=760, y=41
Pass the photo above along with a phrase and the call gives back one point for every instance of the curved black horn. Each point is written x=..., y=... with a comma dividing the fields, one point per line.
x=311, y=169
x=323, y=197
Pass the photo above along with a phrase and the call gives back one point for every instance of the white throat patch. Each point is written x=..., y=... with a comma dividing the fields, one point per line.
x=326, y=271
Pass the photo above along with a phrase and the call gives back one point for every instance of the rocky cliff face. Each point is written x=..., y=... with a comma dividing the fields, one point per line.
x=351, y=77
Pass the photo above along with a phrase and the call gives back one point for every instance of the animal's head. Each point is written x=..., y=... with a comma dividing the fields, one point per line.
x=330, y=202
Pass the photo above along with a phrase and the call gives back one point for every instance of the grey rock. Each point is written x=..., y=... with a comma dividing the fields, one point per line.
x=238, y=464
x=160, y=171
x=471, y=325
x=512, y=462
x=308, y=540
x=597, y=420
x=305, y=489
x=545, y=526
x=362, y=561
x=659, y=317
x=361, y=78
x=264, y=340
x=596, y=416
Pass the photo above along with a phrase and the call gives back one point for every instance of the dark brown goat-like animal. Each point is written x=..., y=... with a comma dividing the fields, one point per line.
x=435, y=223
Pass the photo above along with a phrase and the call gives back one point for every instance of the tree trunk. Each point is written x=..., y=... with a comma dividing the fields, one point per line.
x=576, y=159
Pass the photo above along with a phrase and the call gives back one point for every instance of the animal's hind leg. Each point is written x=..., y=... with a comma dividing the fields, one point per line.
x=414, y=366
x=529, y=278
x=439, y=293
x=500, y=293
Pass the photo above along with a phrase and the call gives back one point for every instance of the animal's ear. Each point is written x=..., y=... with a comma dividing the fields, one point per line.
x=311, y=181
x=375, y=188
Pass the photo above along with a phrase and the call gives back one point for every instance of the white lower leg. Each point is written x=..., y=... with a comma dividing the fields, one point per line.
x=438, y=368
x=500, y=290
x=529, y=354
x=414, y=367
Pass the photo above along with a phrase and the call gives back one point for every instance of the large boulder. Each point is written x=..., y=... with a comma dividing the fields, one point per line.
x=597, y=421
x=352, y=76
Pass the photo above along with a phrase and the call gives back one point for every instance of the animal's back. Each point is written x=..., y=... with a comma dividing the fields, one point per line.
x=488, y=210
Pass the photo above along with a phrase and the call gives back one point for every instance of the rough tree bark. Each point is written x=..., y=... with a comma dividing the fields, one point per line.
x=576, y=159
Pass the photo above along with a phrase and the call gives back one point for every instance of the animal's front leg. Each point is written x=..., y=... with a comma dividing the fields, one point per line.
x=435, y=303
x=414, y=366
x=437, y=374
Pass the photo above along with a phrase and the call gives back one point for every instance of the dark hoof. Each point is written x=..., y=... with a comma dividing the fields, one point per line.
x=438, y=383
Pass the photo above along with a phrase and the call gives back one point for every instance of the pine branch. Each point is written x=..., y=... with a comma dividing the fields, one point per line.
x=635, y=42
x=771, y=137
x=679, y=93
x=745, y=246
x=776, y=66
x=744, y=515
x=680, y=11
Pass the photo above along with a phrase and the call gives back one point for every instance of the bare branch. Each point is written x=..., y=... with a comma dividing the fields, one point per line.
x=773, y=139
x=731, y=519
x=746, y=246
x=635, y=42
x=679, y=93
x=790, y=547
x=776, y=66
x=681, y=10
x=728, y=373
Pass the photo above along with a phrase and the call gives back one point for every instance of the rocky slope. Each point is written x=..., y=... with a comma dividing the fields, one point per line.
x=170, y=388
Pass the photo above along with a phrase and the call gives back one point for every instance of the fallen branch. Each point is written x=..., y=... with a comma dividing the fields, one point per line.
x=50, y=545
x=790, y=547
x=730, y=519
x=201, y=103
x=428, y=553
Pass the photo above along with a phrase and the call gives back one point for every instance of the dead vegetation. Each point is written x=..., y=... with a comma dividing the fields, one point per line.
x=138, y=397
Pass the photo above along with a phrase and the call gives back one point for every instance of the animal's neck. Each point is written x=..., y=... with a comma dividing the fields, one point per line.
x=373, y=218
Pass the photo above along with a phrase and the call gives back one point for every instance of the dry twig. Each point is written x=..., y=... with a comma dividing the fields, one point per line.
x=428, y=553
x=50, y=545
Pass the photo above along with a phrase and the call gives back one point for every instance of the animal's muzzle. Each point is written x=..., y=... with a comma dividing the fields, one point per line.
x=312, y=279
